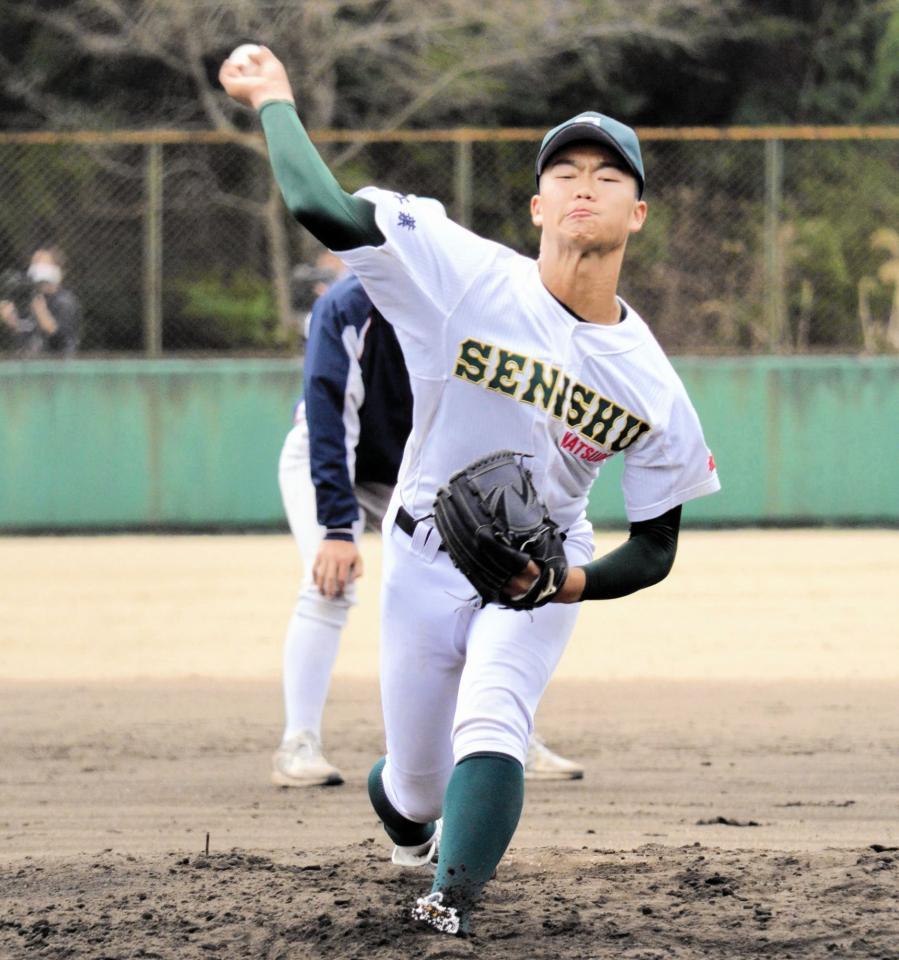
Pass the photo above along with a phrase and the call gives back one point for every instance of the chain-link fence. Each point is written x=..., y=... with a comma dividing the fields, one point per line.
x=782, y=240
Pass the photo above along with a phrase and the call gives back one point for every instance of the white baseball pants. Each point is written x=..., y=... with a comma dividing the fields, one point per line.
x=456, y=680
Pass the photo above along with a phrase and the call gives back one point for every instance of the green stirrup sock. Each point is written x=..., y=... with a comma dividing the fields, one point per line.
x=481, y=810
x=405, y=833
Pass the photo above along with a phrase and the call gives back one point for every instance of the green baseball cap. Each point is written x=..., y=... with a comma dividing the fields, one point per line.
x=595, y=126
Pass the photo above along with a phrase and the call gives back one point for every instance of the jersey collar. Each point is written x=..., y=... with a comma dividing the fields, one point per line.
x=581, y=319
x=604, y=338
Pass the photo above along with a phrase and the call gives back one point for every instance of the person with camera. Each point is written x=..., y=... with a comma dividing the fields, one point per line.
x=43, y=315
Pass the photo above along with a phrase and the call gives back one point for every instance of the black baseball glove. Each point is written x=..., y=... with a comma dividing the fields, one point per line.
x=493, y=522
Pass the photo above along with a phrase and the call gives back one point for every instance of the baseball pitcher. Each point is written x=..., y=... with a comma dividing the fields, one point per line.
x=535, y=357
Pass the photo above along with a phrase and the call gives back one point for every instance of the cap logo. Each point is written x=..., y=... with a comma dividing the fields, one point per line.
x=596, y=121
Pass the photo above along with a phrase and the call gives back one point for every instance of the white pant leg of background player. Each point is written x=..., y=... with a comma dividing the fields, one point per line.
x=455, y=680
x=313, y=634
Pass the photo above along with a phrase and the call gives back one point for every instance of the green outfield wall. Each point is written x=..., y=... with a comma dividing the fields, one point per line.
x=88, y=444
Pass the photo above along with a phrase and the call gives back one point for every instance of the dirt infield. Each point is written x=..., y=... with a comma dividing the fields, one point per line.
x=737, y=725
x=761, y=605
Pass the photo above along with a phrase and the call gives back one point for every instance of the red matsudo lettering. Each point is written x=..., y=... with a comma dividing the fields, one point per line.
x=579, y=448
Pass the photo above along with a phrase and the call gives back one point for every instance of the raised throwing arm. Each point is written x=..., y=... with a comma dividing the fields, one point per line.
x=312, y=194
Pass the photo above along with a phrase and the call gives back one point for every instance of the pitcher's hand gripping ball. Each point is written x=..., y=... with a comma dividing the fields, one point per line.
x=493, y=522
x=240, y=56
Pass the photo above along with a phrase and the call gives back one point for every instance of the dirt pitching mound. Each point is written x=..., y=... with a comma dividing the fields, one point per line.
x=654, y=903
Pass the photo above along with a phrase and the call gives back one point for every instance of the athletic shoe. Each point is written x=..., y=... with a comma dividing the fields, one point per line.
x=543, y=764
x=432, y=911
x=422, y=855
x=299, y=762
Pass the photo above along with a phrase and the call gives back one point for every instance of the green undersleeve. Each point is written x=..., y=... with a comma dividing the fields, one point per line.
x=645, y=559
x=333, y=216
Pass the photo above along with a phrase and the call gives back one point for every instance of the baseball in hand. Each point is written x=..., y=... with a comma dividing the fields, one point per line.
x=240, y=56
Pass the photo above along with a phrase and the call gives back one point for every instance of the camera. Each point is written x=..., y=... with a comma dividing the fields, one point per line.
x=18, y=289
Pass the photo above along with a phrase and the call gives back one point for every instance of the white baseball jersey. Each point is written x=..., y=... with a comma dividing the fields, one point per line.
x=496, y=362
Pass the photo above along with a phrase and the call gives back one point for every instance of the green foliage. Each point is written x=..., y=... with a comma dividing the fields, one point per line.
x=882, y=96
x=814, y=61
x=43, y=198
x=222, y=311
x=820, y=285
x=838, y=195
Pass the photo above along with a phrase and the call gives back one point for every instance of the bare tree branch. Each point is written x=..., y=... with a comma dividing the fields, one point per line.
x=415, y=53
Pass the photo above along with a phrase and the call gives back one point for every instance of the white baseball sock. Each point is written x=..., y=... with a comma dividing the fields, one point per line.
x=310, y=648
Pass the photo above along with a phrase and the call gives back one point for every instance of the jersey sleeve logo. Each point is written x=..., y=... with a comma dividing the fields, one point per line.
x=593, y=421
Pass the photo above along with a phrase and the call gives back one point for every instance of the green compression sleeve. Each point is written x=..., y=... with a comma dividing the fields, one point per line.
x=645, y=559
x=336, y=218
x=481, y=810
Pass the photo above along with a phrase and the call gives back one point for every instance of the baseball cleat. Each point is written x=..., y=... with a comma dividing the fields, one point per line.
x=299, y=762
x=422, y=855
x=432, y=911
x=543, y=764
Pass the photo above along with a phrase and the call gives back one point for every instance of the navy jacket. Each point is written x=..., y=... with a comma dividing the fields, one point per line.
x=357, y=399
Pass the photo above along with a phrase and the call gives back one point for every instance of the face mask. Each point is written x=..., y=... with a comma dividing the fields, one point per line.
x=44, y=273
